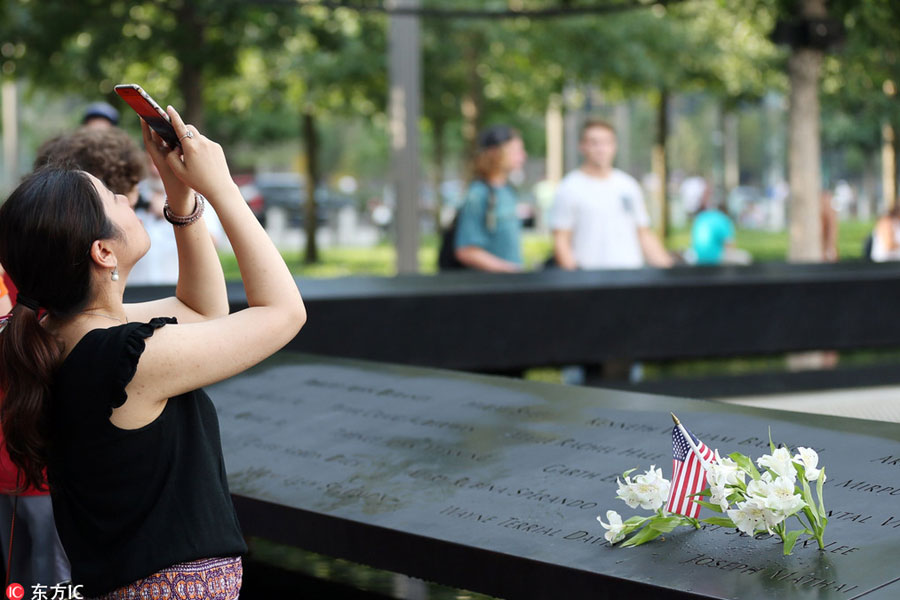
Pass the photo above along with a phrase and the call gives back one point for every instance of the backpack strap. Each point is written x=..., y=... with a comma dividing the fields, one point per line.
x=12, y=530
x=490, y=213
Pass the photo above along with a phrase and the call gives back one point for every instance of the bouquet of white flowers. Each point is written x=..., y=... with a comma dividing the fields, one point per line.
x=765, y=503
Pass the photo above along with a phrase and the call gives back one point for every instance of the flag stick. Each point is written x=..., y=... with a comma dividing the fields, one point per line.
x=690, y=442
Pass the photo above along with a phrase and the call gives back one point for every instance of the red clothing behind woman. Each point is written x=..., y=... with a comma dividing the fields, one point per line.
x=11, y=288
x=9, y=474
x=8, y=471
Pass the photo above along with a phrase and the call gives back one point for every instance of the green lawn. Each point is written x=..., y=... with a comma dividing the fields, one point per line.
x=380, y=259
x=772, y=246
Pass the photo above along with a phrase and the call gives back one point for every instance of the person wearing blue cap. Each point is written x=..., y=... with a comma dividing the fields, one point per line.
x=488, y=231
x=100, y=115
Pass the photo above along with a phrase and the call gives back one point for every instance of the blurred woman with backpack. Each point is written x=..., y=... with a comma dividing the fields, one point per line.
x=488, y=231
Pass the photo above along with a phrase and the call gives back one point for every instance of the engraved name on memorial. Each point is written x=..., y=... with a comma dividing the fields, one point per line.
x=523, y=469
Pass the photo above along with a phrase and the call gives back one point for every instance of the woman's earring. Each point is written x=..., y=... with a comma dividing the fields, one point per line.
x=115, y=274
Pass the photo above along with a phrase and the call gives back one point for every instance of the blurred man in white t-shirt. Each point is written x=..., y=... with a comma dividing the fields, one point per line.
x=599, y=219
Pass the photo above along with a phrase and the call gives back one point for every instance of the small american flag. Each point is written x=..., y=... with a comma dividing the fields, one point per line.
x=688, y=475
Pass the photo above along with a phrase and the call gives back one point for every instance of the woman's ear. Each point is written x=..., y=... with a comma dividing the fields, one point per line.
x=103, y=254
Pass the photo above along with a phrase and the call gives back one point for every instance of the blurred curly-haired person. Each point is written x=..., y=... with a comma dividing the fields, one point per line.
x=108, y=154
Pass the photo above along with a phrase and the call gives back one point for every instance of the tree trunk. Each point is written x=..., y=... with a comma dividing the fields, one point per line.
x=190, y=81
x=867, y=199
x=553, y=125
x=473, y=102
x=10, y=127
x=804, y=154
x=405, y=110
x=439, y=159
x=622, y=122
x=660, y=166
x=310, y=218
x=730, y=146
x=190, y=77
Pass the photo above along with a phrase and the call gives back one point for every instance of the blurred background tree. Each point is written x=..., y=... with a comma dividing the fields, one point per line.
x=695, y=87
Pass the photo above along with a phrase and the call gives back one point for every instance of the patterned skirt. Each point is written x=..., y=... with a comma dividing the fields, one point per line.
x=206, y=579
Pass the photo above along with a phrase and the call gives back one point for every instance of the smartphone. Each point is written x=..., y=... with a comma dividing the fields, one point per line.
x=149, y=111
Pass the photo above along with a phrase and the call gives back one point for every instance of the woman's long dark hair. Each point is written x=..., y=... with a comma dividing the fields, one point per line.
x=47, y=227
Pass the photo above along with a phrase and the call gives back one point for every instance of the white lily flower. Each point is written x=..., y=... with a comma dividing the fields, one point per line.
x=724, y=471
x=809, y=458
x=627, y=493
x=758, y=488
x=779, y=462
x=747, y=516
x=783, y=499
x=652, y=488
x=649, y=491
x=615, y=526
x=719, y=495
x=752, y=515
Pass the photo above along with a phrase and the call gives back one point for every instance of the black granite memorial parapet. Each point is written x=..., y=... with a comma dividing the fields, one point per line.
x=481, y=321
x=494, y=485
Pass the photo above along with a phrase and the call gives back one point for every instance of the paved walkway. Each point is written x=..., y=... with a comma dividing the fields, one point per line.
x=876, y=404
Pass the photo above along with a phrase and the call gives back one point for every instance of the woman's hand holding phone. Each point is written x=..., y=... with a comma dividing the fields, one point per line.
x=178, y=194
x=199, y=164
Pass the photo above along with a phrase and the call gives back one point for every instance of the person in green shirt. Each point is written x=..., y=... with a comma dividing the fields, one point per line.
x=488, y=233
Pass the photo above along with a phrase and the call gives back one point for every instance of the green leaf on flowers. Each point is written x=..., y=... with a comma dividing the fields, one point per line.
x=812, y=516
x=634, y=521
x=666, y=524
x=709, y=505
x=790, y=539
x=720, y=521
x=628, y=472
x=771, y=444
x=801, y=471
x=806, y=494
x=703, y=492
x=819, y=483
x=745, y=463
x=644, y=535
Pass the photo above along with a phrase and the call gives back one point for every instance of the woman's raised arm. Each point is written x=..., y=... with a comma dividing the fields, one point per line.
x=179, y=358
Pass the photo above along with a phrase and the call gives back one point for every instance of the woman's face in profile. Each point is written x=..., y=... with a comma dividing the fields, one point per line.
x=133, y=196
x=120, y=212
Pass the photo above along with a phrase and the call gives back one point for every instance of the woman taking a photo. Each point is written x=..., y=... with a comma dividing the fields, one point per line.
x=106, y=395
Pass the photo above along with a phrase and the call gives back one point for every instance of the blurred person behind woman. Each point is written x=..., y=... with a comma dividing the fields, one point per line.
x=106, y=395
x=5, y=301
x=488, y=233
x=108, y=154
x=713, y=236
x=886, y=237
x=100, y=115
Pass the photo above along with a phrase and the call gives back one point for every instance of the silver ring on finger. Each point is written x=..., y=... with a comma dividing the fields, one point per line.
x=189, y=134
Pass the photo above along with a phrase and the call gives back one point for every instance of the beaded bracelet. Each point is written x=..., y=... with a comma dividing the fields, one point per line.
x=184, y=221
